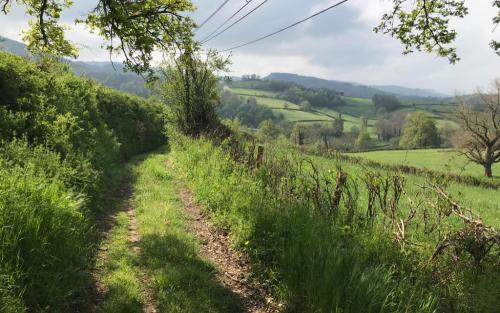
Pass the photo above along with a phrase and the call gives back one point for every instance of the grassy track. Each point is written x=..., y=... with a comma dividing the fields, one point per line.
x=180, y=280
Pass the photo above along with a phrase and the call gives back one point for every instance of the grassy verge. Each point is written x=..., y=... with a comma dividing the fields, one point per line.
x=327, y=256
x=181, y=281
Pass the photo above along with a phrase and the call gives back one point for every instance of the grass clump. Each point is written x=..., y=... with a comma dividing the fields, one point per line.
x=45, y=242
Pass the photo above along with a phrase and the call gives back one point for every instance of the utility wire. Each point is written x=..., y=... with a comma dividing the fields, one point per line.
x=286, y=28
x=213, y=14
x=247, y=2
x=236, y=22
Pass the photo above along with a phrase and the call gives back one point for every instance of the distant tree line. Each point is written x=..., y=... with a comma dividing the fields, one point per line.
x=386, y=103
x=250, y=77
x=319, y=98
x=246, y=109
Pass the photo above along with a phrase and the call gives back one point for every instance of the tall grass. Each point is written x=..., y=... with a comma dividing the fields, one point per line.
x=45, y=241
x=314, y=265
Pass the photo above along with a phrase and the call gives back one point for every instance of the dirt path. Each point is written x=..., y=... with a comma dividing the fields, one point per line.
x=106, y=221
x=234, y=268
x=134, y=238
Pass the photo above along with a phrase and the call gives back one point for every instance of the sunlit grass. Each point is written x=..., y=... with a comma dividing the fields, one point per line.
x=180, y=280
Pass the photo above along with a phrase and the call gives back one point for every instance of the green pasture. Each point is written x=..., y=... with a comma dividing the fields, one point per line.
x=482, y=201
x=445, y=160
x=352, y=113
x=254, y=92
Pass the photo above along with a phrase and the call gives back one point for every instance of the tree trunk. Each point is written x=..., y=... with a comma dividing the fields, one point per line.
x=487, y=169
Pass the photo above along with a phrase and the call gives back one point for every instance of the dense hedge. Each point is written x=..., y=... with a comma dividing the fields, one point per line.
x=61, y=140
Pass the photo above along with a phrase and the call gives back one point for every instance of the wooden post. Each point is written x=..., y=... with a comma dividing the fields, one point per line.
x=341, y=181
x=260, y=155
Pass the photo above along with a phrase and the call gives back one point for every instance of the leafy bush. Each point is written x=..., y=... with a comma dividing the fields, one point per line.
x=136, y=123
x=420, y=130
x=61, y=140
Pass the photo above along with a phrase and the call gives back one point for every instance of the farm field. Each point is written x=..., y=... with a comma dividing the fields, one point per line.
x=254, y=92
x=482, y=201
x=293, y=113
x=444, y=160
x=352, y=113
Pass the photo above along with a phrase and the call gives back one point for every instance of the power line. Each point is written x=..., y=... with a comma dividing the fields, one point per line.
x=247, y=2
x=286, y=28
x=213, y=14
x=236, y=22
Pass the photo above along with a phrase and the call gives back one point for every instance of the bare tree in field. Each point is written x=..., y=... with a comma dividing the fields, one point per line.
x=480, y=139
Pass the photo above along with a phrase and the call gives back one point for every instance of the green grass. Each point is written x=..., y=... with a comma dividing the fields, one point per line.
x=294, y=114
x=313, y=265
x=482, y=201
x=302, y=116
x=434, y=159
x=359, y=107
x=254, y=92
x=274, y=103
x=180, y=279
x=120, y=271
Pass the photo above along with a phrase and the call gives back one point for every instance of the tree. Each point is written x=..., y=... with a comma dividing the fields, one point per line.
x=481, y=129
x=305, y=106
x=136, y=29
x=420, y=131
x=298, y=134
x=338, y=126
x=190, y=90
x=425, y=25
x=385, y=103
x=268, y=130
x=390, y=125
x=364, y=140
x=326, y=133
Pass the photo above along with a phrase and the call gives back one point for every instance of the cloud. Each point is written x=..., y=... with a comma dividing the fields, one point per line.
x=339, y=44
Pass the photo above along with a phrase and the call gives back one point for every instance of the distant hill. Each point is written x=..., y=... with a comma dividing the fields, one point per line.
x=112, y=75
x=411, y=92
x=353, y=89
x=12, y=46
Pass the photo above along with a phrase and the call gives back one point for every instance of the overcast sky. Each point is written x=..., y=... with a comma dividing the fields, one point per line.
x=339, y=44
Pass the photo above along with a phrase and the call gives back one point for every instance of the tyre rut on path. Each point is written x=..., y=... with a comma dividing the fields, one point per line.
x=105, y=223
x=234, y=268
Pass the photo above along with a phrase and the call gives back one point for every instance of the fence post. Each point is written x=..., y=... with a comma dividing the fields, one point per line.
x=260, y=154
x=337, y=195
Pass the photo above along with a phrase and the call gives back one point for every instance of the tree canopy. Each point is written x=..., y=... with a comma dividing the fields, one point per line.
x=386, y=103
x=480, y=139
x=420, y=131
x=135, y=29
x=424, y=25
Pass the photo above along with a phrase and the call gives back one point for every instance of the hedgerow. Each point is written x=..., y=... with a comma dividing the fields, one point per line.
x=62, y=139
